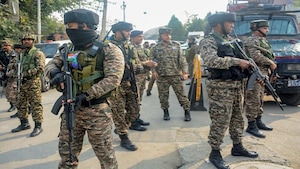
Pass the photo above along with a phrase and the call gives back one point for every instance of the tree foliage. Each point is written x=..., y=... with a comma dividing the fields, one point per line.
x=178, y=30
x=28, y=17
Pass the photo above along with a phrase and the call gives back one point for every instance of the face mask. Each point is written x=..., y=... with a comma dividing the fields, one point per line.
x=80, y=38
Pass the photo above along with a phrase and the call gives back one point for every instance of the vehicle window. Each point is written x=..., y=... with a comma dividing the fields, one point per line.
x=277, y=27
x=49, y=49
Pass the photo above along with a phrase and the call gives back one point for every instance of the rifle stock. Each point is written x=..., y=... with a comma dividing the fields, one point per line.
x=257, y=75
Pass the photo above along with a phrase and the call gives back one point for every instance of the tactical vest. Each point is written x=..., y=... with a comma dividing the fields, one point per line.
x=27, y=60
x=234, y=72
x=86, y=70
x=267, y=49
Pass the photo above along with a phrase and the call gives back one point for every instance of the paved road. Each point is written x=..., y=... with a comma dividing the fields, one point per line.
x=165, y=145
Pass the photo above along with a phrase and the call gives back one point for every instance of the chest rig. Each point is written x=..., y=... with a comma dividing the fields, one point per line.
x=86, y=67
x=228, y=50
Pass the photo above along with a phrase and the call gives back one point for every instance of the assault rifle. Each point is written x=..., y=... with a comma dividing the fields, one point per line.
x=256, y=73
x=68, y=98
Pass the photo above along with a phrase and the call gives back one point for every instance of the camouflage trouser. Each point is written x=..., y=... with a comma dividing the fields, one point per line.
x=163, y=85
x=124, y=99
x=254, y=102
x=96, y=121
x=225, y=110
x=150, y=84
x=141, y=84
x=30, y=93
x=11, y=92
x=191, y=68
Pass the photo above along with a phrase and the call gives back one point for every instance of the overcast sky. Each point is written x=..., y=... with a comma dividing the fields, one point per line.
x=147, y=14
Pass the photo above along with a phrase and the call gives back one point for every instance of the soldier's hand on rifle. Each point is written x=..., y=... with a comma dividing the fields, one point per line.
x=80, y=98
x=57, y=79
x=1, y=67
x=273, y=66
x=244, y=64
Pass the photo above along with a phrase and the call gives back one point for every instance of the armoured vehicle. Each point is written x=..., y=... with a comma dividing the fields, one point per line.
x=283, y=36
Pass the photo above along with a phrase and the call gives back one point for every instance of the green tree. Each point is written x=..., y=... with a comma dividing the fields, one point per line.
x=178, y=32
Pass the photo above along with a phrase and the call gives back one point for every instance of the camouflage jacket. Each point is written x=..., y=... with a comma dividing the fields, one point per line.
x=169, y=58
x=260, y=51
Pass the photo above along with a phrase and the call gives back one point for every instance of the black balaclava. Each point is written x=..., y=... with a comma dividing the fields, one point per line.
x=80, y=38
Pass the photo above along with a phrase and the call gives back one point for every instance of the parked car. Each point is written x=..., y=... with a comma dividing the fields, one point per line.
x=49, y=49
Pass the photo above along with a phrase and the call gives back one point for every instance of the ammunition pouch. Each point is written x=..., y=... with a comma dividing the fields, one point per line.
x=233, y=73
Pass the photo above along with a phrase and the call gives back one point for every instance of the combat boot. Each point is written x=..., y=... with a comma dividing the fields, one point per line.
x=261, y=125
x=23, y=126
x=14, y=115
x=142, y=122
x=37, y=129
x=239, y=150
x=216, y=159
x=126, y=143
x=166, y=114
x=252, y=129
x=187, y=115
x=137, y=126
x=12, y=107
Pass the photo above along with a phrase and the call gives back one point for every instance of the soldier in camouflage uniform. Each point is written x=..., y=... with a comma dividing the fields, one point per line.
x=93, y=114
x=126, y=97
x=170, y=71
x=258, y=48
x=136, y=38
x=12, y=77
x=32, y=67
x=191, y=51
x=7, y=53
x=225, y=88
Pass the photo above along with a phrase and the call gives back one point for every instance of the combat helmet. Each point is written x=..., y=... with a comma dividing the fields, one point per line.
x=164, y=30
x=6, y=42
x=254, y=25
x=28, y=36
x=221, y=17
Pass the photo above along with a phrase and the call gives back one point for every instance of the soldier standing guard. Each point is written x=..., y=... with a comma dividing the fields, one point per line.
x=7, y=53
x=136, y=38
x=258, y=48
x=100, y=72
x=32, y=67
x=225, y=89
x=170, y=71
x=126, y=98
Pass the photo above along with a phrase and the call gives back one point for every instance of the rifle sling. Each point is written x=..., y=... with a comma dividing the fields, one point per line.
x=95, y=76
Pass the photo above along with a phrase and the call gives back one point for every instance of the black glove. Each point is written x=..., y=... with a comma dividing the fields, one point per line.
x=80, y=99
x=57, y=79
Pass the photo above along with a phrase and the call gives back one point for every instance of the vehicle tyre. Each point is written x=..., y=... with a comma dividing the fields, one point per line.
x=292, y=99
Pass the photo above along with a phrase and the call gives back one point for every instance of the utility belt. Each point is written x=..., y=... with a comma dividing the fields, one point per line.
x=222, y=74
x=94, y=102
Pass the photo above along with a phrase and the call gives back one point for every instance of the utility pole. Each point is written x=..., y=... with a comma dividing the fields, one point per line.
x=39, y=32
x=123, y=7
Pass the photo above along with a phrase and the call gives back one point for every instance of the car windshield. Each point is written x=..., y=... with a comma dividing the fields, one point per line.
x=282, y=47
x=49, y=49
x=279, y=26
